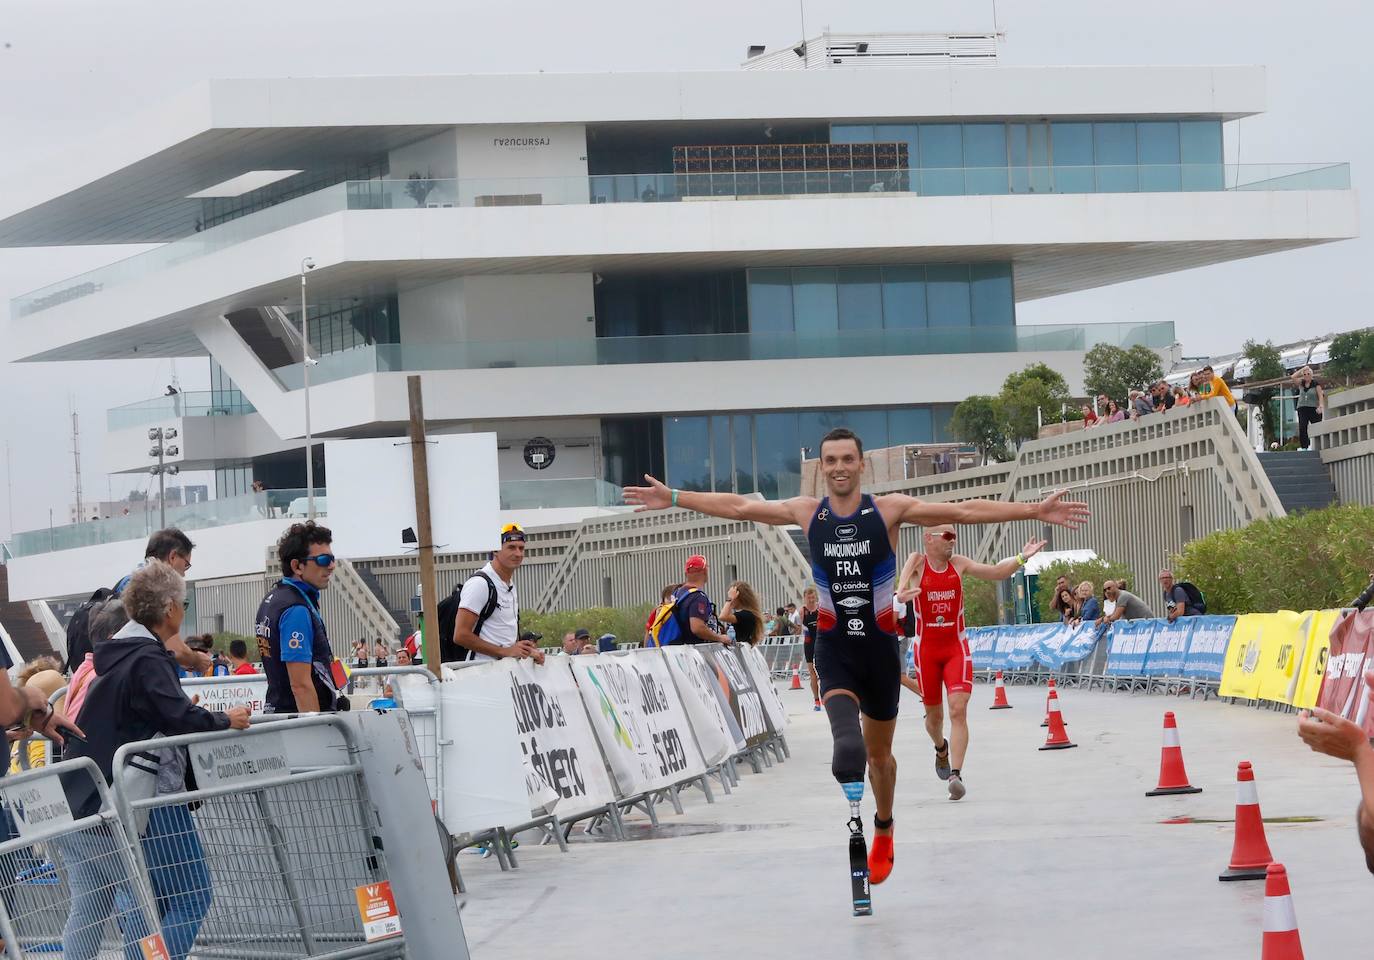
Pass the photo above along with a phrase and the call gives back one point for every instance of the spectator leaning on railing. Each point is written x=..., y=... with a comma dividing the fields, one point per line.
x=138, y=696
x=1335, y=736
x=1089, y=610
x=1128, y=605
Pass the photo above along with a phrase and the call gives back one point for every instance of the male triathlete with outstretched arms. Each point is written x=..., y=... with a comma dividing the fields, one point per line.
x=853, y=537
x=934, y=582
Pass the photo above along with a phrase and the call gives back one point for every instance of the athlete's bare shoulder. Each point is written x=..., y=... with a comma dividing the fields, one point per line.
x=802, y=510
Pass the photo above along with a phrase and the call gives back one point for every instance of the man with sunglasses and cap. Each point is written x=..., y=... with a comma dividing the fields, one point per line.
x=933, y=582
x=292, y=639
x=487, y=623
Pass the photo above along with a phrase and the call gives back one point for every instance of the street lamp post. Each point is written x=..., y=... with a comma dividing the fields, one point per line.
x=306, y=266
x=161, y=450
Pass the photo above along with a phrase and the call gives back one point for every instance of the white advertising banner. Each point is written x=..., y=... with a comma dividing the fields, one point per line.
x=639, y=721
x=223, y=693
x=556, y=737
x=753, y=659
x=484, y=775
x=707, y=706
x=746, y=704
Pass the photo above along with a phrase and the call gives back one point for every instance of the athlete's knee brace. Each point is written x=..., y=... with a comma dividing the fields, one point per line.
x=850, y=759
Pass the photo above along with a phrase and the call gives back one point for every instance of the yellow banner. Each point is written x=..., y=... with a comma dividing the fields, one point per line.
x=1282, y=647
x=1240, y=677
x=1278, y=656
x=1314, y=662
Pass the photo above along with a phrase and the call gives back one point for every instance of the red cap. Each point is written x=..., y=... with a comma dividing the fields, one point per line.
x=695, y=562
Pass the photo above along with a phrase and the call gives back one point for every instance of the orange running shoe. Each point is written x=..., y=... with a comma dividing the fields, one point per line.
x=881, y=854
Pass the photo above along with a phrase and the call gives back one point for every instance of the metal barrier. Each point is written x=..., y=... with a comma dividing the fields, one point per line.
x=419, y=698
x=261, y=860
x=62, y=878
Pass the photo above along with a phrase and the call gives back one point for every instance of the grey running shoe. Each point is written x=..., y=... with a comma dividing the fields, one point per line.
x=942, y=766
x=956, y=787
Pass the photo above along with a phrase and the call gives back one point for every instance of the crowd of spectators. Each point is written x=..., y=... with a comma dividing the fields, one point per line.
x=1158, y=397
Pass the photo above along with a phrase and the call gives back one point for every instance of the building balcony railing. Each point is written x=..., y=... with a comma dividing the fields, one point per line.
x=561, y=492
x=674, y=187
x=720, y=347
x=189, y=403
x=194, y=516
x=285, y=503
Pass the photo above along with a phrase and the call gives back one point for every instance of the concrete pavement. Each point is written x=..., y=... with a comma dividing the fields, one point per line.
x=1055, y=855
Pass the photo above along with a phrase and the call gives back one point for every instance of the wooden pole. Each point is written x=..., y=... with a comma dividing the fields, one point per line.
x=419, y=460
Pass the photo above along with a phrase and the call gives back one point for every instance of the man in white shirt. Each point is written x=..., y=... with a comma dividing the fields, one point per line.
x=488, y=621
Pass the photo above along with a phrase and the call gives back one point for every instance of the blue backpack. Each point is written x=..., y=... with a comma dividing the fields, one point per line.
x=666, y=626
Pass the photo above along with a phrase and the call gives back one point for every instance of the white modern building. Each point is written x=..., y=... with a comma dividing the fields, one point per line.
x=687, y=274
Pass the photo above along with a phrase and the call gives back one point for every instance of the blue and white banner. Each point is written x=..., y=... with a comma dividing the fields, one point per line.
x=1016, y=646
x=1130, y=647
x=1207, y=647
x=1065, y=644
x=982, y=645
x=1169, y=647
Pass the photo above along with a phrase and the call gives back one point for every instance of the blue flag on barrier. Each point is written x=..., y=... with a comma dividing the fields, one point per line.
x=1168, y=647
x=1050, y=642
x=1207, y=646
x=1130, y=646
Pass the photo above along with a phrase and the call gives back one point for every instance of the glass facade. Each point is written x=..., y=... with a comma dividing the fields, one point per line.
x=669, y=304
x=762, y=452
x=818, y=301
x=1052, y=156
x=337, y=325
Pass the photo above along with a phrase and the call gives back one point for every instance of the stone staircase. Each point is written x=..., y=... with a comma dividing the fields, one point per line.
x=28, y=636
x=1299, y=478
x=402, y=617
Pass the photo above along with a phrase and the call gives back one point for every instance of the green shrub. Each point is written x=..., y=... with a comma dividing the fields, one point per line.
x=1313, y=560
x=626, y=624
x=1092, y=570
x=980, y=603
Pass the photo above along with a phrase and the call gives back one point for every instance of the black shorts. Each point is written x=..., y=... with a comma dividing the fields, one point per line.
x=809, y=650
x=869, y=668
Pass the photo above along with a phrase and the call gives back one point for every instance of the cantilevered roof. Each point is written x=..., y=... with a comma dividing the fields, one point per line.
x=129, y=184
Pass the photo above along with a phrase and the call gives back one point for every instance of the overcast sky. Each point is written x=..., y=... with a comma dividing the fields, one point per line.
x=67, y=67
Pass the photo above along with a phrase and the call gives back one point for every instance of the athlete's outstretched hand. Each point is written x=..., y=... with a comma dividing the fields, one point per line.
x=1063, y=513
x=655, y=496
x=1032, y=547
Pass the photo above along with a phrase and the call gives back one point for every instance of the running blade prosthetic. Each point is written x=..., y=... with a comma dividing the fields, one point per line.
x=858, y=852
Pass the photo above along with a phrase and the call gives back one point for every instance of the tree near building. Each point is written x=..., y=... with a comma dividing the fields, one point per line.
x=1266, y=363
x=1110, y=371
x=979, y=422
x=1037, y=387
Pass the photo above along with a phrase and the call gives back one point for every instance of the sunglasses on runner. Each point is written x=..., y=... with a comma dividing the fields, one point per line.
x=321, y=559
x=948, y=535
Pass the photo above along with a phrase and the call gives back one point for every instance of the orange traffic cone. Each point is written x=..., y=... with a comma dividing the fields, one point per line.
x=1058, y=739
x=1250, y=854
x=1051, y=689
x=796, y=676
x=1173, y=778
x=1281, y=940
x=999, y=697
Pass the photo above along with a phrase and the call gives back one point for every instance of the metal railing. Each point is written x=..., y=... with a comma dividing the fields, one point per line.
x=188, y=403
x=270, y=862
x=63, y=877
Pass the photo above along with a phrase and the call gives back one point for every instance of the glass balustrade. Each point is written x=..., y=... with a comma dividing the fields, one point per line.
x=188, y=403
x=194, y=516
x=418, y=194
x=723, y=347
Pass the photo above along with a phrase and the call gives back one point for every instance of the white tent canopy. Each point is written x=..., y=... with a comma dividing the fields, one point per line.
x=1046, y=557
